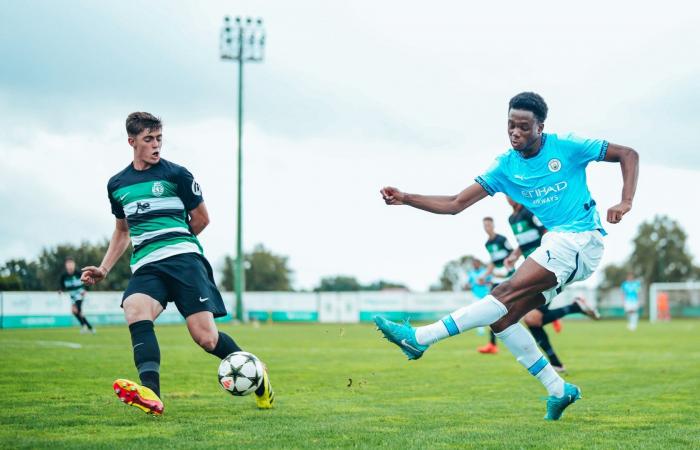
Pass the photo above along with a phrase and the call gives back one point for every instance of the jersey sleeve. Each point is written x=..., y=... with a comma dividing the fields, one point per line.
x=584, y=150
x=188, y=189
x=507, y=246
x=492, y=179
x=117, y=208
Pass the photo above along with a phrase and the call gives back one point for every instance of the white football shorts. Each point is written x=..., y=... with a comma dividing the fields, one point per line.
x=570, y=256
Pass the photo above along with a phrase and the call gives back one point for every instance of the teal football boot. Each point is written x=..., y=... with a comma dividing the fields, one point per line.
x=557, y=405
x=403, y=335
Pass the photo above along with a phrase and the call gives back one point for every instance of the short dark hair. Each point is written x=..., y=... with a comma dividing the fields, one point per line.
x=139, y=121
x=69, y=258
x=490, y=219
x=530, y=101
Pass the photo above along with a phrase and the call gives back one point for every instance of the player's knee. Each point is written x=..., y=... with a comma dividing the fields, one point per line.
x=533, y=320
x=206, y=340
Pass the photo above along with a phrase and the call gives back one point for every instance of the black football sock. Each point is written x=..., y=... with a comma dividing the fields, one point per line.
x=543, y=342
x=85, y=322
x=224, y=346
x=80, y=318
x=555, y=314
x=493, y=338
x=146, y=354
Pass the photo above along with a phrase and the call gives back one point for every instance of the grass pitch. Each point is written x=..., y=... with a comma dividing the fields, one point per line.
x=343, y=386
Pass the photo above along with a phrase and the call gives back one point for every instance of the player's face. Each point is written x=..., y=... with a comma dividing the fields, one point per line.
x=523, y=130
x=147, y=146
x=488, y=226
x=70, y=266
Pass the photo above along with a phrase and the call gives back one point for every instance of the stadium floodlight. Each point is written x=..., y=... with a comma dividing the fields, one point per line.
x=242, y=40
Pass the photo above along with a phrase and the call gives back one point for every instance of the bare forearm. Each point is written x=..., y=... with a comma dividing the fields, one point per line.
x=117, y=246
x=197, y=225
x=629, y=164
x=437, y=204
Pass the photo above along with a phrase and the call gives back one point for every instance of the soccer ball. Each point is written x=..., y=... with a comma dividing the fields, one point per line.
x=240, y=373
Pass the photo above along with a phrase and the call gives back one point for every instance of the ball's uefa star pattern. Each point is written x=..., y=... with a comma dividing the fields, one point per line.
x=240, y=373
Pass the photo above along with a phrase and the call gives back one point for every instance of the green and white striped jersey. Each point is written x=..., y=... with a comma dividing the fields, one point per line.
x=155, y=203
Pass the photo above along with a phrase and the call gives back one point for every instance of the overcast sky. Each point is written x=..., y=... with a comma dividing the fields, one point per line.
x=352, y=96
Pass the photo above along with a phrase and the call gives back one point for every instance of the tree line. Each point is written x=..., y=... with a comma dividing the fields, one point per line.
x=264, y=271
x=659, y=255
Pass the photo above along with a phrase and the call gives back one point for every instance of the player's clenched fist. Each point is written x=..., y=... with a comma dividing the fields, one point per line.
x=92, y=275
x=616, y=212
x=392, y=196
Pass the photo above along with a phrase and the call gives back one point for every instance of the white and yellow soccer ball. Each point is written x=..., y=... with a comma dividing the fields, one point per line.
x=240, y=373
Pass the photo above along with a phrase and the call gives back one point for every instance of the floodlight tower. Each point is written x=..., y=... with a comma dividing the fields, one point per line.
x=242, y=40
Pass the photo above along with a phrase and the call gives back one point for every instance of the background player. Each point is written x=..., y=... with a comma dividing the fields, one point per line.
x=541, y=171
x=70, y=283
x=528, y=232
x=630, y=291
x=480, y=285
x=159, y=209
x=499, y=249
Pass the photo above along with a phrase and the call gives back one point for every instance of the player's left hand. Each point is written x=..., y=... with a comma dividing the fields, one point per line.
x=616, y=212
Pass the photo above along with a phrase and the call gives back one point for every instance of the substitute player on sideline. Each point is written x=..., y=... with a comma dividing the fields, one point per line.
x=70, y=282
x=546, y=173
x=159, y=209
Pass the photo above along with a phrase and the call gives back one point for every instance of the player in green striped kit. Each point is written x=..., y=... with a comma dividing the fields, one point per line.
x=159, y=209
x=70, y=283
x=528, y=231
x=499, y=269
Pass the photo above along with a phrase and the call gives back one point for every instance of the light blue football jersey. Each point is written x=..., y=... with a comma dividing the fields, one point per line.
x=630, y=289
x=479, y=290
x=551, y=184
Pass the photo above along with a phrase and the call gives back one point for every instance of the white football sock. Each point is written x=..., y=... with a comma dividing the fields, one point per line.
x=483, y=312
x=523, y=346
x=633, y=319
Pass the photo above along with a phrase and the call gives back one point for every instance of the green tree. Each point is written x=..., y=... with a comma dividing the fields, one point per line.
x=44, y=274
x=338, y=283
x=381, y=285
x=20, y=275
x=452, y=273
x=264, y=271
x=613, y=276
x=660, y=253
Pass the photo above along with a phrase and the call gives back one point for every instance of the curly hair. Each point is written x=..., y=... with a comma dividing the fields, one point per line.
x=530, y=101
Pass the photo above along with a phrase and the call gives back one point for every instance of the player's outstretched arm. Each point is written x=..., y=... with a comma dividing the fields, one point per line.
x=117, y=246
x=629, y=163
x=438, y=204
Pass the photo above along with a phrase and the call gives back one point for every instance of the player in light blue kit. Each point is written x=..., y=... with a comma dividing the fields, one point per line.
x=546, y=173
x=630, y=291
x=479, y=282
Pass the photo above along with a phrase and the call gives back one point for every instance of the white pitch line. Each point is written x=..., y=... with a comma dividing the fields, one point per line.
x=60, y=344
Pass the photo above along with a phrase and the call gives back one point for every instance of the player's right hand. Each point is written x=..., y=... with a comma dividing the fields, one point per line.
x=92, y=275
x=392, y=196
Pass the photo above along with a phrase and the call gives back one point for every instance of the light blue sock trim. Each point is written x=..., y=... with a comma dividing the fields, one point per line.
x=450, y=324
x=538, y=366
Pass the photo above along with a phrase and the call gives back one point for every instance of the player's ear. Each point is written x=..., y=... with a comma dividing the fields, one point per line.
x=540, y=127
x=131, y=140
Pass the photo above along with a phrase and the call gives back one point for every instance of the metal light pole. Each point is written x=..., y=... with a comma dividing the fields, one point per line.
x=242, y=40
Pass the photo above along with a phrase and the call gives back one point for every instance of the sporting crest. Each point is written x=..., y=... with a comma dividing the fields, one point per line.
x=157, y=188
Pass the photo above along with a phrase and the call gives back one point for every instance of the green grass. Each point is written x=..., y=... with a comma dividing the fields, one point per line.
x=640, y=390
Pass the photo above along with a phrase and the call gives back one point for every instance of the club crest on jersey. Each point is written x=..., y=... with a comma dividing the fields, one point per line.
x=157, y=188
x=554, y=165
